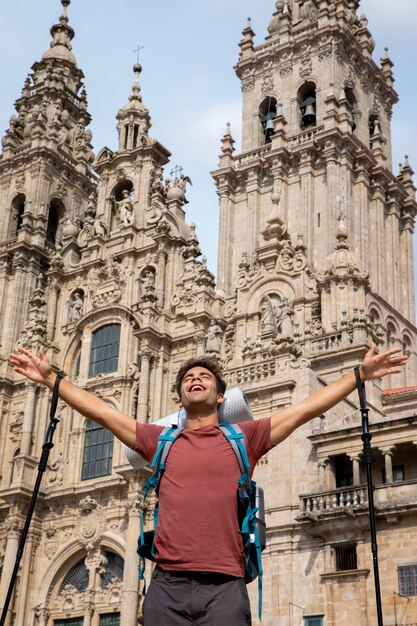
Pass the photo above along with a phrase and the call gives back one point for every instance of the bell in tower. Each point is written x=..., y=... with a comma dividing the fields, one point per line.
x=308, y=111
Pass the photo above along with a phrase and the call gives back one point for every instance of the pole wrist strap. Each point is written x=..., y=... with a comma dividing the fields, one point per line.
x=360, y=387
x=55, y=396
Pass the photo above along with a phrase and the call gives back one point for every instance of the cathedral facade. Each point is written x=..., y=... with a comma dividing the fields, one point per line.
x=99, y=265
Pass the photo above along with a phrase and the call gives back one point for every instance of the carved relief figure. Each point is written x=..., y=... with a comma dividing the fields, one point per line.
x=125, y=207
x=285, y=322
x=75, y=307
x=268, y=316
x=214, y=338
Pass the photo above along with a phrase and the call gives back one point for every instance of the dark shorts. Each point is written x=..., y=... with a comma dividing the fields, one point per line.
x=197, y=598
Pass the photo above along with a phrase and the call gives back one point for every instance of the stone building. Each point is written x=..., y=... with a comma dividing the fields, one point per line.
x=98, y=263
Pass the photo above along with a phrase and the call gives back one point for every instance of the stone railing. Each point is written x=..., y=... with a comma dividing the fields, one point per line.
x=249, y=157
x=342, y=500
x=306, y=136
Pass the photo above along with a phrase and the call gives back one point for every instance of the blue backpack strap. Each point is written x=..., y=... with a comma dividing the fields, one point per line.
x=166, y=438
x=247, y=492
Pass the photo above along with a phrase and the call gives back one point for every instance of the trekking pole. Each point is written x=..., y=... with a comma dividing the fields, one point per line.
x=46, y=448
x=367, y=455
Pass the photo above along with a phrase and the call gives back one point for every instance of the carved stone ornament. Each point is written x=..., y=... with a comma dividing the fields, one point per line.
x=108, y=282
x=92, y=521
x=267, y=83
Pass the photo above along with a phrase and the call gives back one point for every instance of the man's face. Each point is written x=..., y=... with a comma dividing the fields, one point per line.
x=199, y=387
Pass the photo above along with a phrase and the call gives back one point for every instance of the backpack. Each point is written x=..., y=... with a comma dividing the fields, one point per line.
x=251, y=512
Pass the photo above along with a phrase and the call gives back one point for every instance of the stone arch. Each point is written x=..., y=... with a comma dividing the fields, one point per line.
x=91, y=322
x=375, y=313
x=17, y=210
x=66, y=558
x=393, y=333
x=282, y=286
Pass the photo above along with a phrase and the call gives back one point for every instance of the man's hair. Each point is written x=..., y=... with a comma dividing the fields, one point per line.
x=210, y=363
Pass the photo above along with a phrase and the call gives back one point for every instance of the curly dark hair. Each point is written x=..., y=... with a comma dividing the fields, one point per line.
x=210, y=363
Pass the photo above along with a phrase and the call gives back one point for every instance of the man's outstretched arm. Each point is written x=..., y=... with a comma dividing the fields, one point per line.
x=38, y=369
x=373, y=366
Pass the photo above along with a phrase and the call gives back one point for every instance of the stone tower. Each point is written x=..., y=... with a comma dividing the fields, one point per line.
x=315, y=262
x=93, y=262
x=99, y=265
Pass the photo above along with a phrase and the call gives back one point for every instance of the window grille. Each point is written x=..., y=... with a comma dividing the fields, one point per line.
x=407, y=580
x=75, y=621
x=104, y=356
x=113, y=570
x=77, y=577
x=111, y=619
x=313, y=620
x=346, y=558
x=98, y=451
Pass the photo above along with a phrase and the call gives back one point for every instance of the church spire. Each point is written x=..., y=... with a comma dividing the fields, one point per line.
x=134, y=119
x=62, y=35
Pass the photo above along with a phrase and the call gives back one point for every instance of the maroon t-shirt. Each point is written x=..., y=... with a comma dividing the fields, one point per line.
x=198, y=527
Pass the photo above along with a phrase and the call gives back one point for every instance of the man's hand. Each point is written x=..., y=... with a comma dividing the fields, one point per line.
x=35, y=368
x=38, y=369
x=373, y=366
x=376, y=365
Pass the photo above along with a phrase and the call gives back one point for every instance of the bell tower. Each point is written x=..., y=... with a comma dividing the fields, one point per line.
x=316, y=150
x=45, y=174
x=315, y=262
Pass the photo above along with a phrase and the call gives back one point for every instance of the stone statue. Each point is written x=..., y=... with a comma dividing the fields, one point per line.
x=76, y=307
x=285, y=322
x=125, y=207
x=99, y=228
x=214, y=338
x=268, y=316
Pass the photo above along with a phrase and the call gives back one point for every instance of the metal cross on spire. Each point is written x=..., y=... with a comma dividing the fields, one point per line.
x=137, y=51
x=177, y=171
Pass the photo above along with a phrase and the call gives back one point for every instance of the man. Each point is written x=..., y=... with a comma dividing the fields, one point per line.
x=199, y=576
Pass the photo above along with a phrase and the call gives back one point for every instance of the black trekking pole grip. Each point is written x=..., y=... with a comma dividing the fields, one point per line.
x=46, y=448
x=367, y=455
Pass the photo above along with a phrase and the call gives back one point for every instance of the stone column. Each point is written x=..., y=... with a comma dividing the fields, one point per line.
x=356, y=470
x=52, y=310
x=27, y=567
x=28, y=419
x=42, y=616
x=13, y=531
x=162, y=263
x=143, y=395
x=388, y=452
x=322, y=466
x=130, y=589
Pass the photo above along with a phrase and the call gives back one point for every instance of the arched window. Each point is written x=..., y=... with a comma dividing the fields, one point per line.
x=15, y=455
x=267, y=113
x=54, y=214
x=307, y=104
x=373, y=125
x=77, y=577
x=113, y=570
x=18, y=209
x=98, y=451
x=104, y=356
x=352, y=105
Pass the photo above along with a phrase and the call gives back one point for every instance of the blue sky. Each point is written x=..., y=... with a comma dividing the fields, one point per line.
x=188, y=82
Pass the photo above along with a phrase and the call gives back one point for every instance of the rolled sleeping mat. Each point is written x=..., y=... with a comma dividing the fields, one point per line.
x=235, y=408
